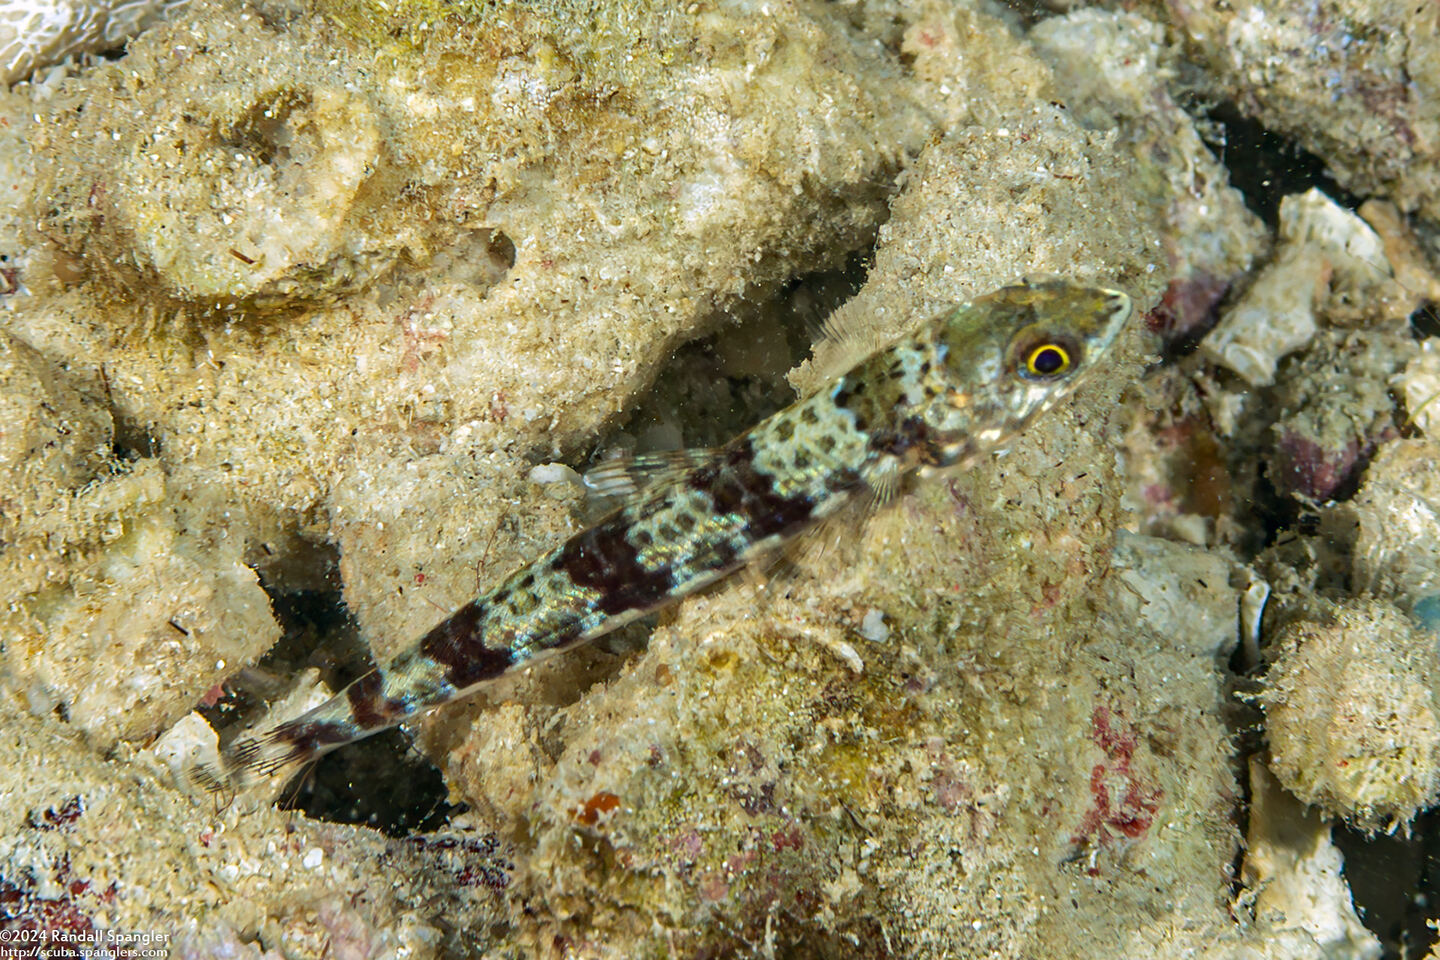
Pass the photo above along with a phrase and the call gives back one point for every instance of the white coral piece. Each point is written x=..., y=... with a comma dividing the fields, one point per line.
x=36, y=33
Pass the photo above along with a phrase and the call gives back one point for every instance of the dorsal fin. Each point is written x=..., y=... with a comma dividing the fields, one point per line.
x=850, y=335
x=621, y=478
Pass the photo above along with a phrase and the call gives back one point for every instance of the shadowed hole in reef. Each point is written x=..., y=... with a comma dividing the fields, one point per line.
x=129, y=438
x=379, y=782
x=1393, y=881
x=1265, y=166
x=718, y=386
x=1425, y=321
x=132, y=441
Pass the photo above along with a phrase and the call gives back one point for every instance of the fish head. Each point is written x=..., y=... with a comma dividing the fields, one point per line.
x=1004, y=358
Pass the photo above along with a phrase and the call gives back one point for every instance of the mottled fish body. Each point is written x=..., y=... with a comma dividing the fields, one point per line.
x=950, y=392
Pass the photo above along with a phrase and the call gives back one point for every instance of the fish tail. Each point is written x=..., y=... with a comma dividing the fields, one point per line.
x=360, y=710
x=447, y=663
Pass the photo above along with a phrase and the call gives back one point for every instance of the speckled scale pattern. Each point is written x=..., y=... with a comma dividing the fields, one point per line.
x=940, y=398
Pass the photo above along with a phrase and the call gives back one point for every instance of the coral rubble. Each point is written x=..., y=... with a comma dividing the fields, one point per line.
x=1352, y=708
x=305, y=296
x=37, y=33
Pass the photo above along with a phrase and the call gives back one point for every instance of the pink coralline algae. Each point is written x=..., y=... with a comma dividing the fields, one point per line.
x=1304, y=467
x=1134, y=812
x=59, y=921
x=1188, y=310
x=55, y=911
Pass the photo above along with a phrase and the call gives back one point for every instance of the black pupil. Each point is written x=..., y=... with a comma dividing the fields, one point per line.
x=1048, y=360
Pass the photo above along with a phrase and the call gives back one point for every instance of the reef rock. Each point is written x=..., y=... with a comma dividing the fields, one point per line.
x=1352, y=711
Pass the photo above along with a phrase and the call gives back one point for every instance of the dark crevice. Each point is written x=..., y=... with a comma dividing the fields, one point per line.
x=501, y=250
x=315, y=631
x=1266, y=167
x=381, y=781
x=719, y=386
x=131, y=440
x=1425, y=322
x=1379, y=868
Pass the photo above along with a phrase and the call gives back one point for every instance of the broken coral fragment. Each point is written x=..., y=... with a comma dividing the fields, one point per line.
x=1274, y=317
x=1296, y=877
x=1181, y=592
x=37, y=33
x=1327, y=263
x=1352, y=709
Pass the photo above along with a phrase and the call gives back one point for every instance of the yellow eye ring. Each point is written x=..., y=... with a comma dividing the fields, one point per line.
x=1047, y=360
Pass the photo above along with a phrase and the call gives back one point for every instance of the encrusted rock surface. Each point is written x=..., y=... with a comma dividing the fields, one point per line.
x=96, y=848
x=1352, y=708
x=1357, y=82
x=1397, y=519
x=351, y=290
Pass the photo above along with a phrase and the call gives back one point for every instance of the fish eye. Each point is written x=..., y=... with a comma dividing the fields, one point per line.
x=1047, y=359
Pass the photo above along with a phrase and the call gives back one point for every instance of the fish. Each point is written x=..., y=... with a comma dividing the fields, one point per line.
x=959, y=386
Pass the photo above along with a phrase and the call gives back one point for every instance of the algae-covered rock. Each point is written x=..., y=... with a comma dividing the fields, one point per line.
x=1354, y=81
x=1115, y=70
x=1335, y=411
x=52, y=441
x=306, y=280
x=1352, y=709
x=176, y=607
x=105, y=849
x=99, y=570
x=1397, y=518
